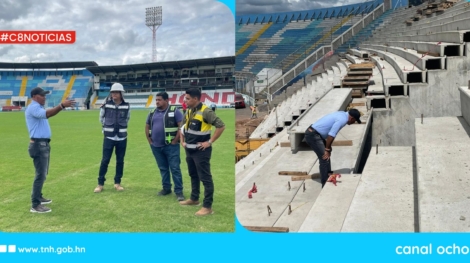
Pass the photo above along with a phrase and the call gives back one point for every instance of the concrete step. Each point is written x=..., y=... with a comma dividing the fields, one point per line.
x=331, y=206
x=405, y=69
x=442, y=150
x=384, y=193
x=422, y=62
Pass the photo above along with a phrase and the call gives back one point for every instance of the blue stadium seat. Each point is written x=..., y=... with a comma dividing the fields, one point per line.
x=290, y=36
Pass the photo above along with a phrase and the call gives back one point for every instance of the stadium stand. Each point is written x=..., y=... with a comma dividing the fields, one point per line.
x=89, y=84
x=279, y=40
x=416, y=113
x=143, y=81
x=61, y=79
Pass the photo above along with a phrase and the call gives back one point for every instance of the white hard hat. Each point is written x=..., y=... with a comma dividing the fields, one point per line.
x=117, y=87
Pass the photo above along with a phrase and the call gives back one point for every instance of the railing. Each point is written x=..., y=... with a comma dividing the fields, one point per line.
x=279, y=84
x=291, y=74
x=354, y=30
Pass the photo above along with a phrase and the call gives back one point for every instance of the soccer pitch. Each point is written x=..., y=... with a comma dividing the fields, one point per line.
x=76, y=150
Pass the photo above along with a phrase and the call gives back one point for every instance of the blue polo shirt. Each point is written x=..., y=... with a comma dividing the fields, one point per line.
x=331, y=124
x=158, y=130
x=36, y=121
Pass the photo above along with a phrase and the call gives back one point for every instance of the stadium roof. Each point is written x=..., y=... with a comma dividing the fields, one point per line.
x=331, y=12
x=47, y=65
x=164, y=65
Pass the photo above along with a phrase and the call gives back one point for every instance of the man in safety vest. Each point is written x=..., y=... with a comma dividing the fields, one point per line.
x=163, y=134
x=254, y=112
x=114, y=117
x=197, y=141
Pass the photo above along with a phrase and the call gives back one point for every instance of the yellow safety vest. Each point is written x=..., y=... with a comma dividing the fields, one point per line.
x=196, y=129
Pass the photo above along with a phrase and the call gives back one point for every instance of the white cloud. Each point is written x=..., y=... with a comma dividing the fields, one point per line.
x=114, y=32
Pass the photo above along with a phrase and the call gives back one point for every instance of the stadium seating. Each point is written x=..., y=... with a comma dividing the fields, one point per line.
x=74, y=84
x=266, y=41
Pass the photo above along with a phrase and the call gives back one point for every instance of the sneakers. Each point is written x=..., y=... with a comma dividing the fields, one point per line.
x=40, y=209
x=164, y=192
x=189, y=202
x=98, y=189
x=204, y=212
x=179, y=197
x=45, y=201
x=118, y=187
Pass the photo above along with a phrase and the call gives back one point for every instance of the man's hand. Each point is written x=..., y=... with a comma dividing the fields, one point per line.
x=183, y=144
x=149, y=140
x=68, y=103
x=203, y=145
x=326, y=155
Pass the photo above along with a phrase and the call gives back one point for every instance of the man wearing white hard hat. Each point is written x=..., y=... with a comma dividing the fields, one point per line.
x=114, y=117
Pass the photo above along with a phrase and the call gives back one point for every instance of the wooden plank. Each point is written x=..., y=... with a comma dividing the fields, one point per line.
x=292, y=173
x=356, y=78
x=356, y=94
x=342, y=143
x=335, y=143
x=362, y=72
x=366, y=65
x=357, y=83
x=357, y=104
x=305, y=177
x=267, y=229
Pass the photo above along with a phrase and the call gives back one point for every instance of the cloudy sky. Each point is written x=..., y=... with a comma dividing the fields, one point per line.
x=114, y=32
x=245, y=7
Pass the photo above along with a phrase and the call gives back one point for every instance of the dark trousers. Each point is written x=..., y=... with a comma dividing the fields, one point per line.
x=40, y=152
x=108, y=147
x=318, y=145
x=199, y=169
x=168, y=159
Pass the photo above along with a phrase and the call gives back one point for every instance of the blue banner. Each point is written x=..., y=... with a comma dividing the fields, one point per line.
x=234, y=247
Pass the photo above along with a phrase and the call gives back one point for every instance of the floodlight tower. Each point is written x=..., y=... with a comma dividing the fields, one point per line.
x=153, y=19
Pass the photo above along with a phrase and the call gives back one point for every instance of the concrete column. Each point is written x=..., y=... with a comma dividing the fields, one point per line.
x=465, y=102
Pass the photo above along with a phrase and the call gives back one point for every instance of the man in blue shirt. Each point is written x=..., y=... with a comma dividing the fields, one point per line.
x=322, y=133
x=163, y=133
x=39, y=149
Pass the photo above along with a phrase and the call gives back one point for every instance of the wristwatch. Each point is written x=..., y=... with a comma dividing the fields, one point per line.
x=209, y=141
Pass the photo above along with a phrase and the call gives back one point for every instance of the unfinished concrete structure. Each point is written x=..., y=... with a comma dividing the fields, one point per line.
x=405, y=169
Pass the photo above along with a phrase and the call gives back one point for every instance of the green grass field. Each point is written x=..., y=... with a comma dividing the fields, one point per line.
x=76, y=150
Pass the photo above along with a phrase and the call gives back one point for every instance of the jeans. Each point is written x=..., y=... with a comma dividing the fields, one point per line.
x=318, y=144
x=168, y=159
x=199, y=169
x=40, y=152
x=108, y=147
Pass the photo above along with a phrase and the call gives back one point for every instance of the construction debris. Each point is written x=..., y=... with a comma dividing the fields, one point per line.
x=267, y=229
x=292, y=173
x=335, y=143
x=305, y=177
x=333, y=177
x=358, y=78
x=430, y=9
